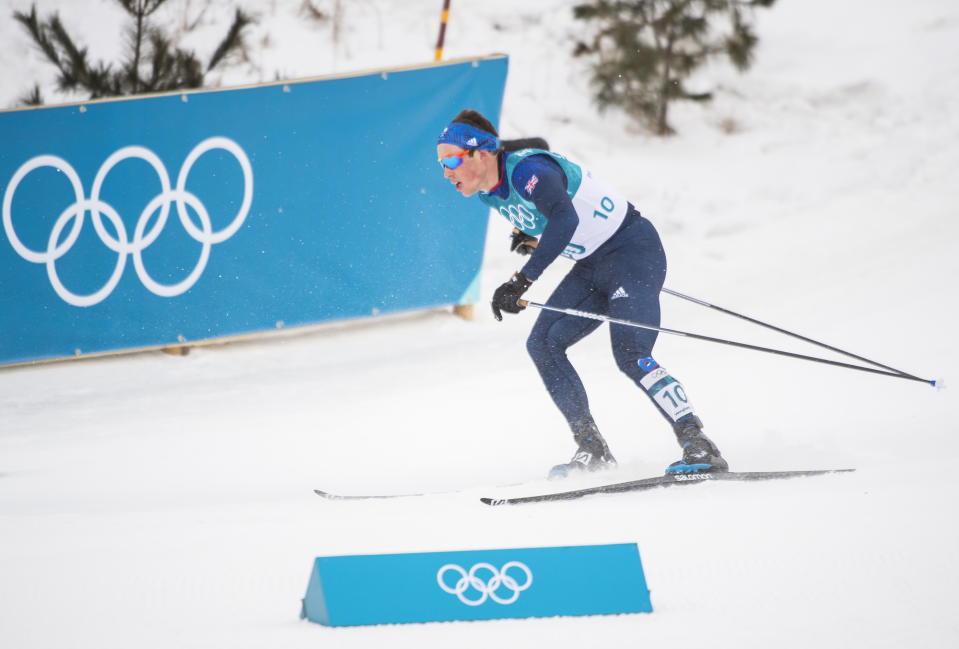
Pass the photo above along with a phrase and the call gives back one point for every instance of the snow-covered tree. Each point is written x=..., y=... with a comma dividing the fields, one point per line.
x=151, y=63
x=646, y=49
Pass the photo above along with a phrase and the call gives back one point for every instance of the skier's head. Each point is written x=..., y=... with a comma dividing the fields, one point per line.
x=477, y=120
x=467, y=149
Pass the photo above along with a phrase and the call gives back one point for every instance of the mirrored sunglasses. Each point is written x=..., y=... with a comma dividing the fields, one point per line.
x=453, y=161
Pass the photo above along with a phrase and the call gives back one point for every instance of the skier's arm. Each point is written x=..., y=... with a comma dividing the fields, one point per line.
x=542, y=181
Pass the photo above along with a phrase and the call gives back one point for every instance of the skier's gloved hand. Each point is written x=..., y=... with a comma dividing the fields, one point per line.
x=506, y=296
x=522, y=243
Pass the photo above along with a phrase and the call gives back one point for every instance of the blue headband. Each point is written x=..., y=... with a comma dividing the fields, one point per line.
x=468, y=137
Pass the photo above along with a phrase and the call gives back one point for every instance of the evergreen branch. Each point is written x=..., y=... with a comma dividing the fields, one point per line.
x=76, y=56
x=32, y=98
x=137, y=34
x=161, y=61
x=232, y=40
x=141, y=8
x=31, y=23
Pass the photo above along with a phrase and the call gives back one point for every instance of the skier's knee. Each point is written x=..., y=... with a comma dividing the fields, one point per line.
x=544, y=349
x=626, y=365
x=633, y=366
x=537, y=347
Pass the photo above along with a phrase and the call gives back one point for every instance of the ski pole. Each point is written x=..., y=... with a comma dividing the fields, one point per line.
x=704, y=303
x=790, y=333
x=687, y=334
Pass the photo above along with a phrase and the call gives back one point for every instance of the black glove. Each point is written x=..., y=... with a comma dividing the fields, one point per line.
x=506, y=296
x=520, y=242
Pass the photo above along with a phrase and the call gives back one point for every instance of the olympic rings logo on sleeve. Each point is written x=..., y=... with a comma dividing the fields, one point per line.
x=486, y=589
x=519, y=215
x=142, y=238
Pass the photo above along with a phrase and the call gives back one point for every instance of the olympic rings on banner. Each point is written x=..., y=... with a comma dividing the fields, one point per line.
x=142, y=238
x=486, y=589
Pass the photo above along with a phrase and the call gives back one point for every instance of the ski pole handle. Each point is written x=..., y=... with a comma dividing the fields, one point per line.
x=532, y=243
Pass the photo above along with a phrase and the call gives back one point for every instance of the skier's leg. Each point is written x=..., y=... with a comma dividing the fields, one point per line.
x=634, y=277
x=548, y=341
x=554, y=333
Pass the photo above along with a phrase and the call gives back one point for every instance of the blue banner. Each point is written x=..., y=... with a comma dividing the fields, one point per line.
x=477, y=585
x=152, y=221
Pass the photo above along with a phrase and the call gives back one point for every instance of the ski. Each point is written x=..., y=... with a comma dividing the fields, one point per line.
x=657, y=482
x=335, y=496
x=330, y=495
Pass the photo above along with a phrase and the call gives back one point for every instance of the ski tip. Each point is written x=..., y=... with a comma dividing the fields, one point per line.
x=939, y=384
x=494, y=502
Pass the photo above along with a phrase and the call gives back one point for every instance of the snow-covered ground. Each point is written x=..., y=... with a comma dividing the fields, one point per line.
x=158, y=501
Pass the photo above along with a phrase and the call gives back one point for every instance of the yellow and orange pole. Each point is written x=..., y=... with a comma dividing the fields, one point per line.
x=439, y=41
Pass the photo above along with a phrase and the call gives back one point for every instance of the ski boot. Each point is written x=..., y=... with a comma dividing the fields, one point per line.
x=700, y=455
x=592, y=453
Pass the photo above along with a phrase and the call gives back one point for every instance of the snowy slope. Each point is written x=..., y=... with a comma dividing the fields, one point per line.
x=155, y=501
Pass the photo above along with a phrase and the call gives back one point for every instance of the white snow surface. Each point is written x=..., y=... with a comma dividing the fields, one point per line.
x=148, y=500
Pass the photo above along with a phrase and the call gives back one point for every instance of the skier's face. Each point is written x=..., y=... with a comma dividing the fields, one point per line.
x=470, y=176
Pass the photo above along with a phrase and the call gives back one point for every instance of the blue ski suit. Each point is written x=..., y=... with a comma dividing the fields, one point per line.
x=619, y=271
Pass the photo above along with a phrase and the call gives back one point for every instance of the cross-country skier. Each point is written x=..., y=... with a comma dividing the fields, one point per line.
x=619, y=271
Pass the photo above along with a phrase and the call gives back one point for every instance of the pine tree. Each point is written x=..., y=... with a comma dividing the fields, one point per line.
x=151, y=62
x=645, y=49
